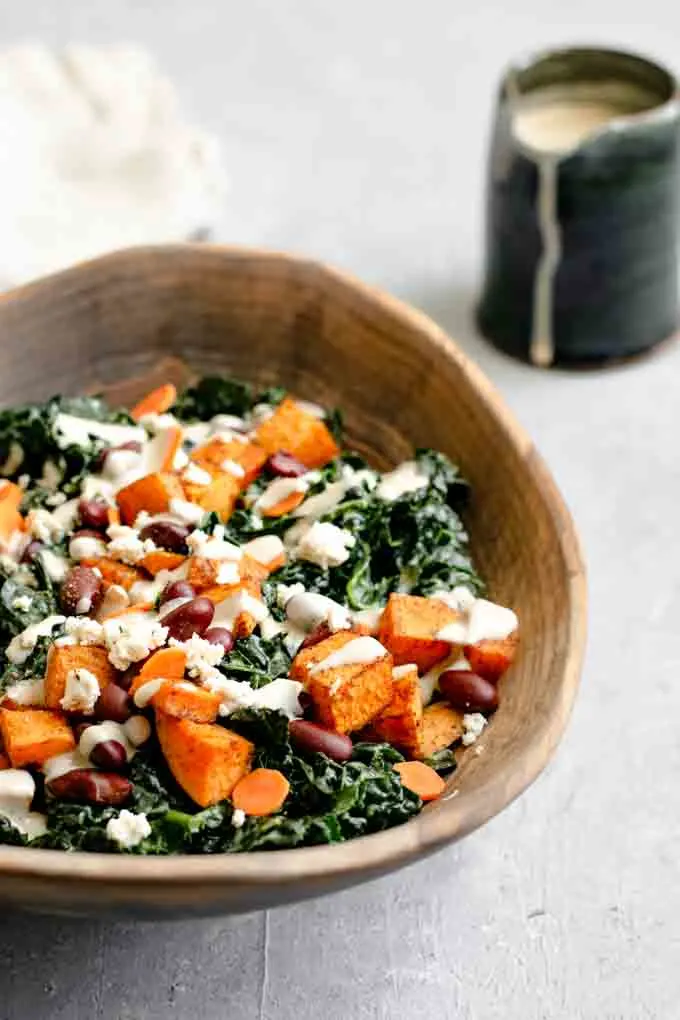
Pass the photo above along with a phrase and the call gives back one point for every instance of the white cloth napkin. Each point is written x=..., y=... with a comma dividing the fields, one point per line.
x=95, y=155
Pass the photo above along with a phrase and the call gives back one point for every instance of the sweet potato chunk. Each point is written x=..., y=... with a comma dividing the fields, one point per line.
x=294, y=430
x=401, y=721
x=187, y=701
x=151, y=493
x=491, y=659
x=161, y=559
x=168, y=663
x=206, y=760
x=346, y=697
x=114, y=572
x=249, y=456
x=409, y=627
x=219, y=496
x=442, y=726
x=63, y=658
x=204, y=573
x=5, y=763
x=32, y=735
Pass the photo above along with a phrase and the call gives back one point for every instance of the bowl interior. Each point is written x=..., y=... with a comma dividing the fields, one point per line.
x=126, y=321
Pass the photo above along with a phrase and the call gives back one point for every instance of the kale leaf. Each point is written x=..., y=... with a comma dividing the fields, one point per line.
x=257, y=660
x=218, y=395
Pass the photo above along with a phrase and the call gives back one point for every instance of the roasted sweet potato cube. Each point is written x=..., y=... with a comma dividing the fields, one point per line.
x=234, y=606
x=151, y=493
x=161, y=559
x=491, y=659
x=219, y=496
x=409, y=628
x=63, y=658
x=32, y=735
x=298, y=432
x=401, y=721
x=185, y=700
x=205, y=573
x=114, y=572
x=346, y=697
x=249, y=456
x=442, y=726
x=207, y=760
x=5, y=763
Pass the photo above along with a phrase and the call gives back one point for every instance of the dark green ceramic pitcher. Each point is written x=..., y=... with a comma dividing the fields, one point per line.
x=583, y=208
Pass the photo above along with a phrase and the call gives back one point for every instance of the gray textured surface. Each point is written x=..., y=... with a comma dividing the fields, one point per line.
x=356, y=132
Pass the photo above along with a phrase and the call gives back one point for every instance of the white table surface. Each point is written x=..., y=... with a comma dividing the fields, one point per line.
x=356, y=132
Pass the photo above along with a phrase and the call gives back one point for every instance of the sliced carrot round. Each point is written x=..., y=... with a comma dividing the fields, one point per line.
x=419, y=778
x=156, y=402
x=285, y=506
x=261, y=792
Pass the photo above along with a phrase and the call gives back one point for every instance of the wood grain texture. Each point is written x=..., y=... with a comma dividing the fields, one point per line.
x=167, y=312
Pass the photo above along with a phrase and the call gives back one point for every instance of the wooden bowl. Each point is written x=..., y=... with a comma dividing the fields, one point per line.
x=136, y=317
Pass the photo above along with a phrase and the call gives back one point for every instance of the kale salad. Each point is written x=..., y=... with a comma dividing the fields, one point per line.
x=223, y=631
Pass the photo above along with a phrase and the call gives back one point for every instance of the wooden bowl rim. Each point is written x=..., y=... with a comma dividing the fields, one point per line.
x=434, y=827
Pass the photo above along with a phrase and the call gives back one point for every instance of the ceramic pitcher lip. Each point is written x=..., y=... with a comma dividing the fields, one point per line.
x=619, y=65
x=582, y=240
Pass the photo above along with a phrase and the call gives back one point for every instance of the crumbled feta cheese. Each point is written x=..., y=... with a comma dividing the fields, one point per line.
x=156, y=423
x=232, y=468
x=316, y=410
x=126, y=544
x=196, y=475
x=81, y=691
x=326, y=545
x=43, y=526
x=474, y=723
x=226, y=423
x=121, y=463
x=27, y=692
x=180, y=461
x=285, y=592
x=202, y=656
x=96, y=487
x=128, y=830
x=17, y=790
x=188, y=513
x=22, y=603
x=266, y=549
x=212, y=547
x=132, y=637
x=406, y=478
x=86, y=547
x=260, y=413
x=238, y=818
x=56, y=499
x=80, y=630
x=21, y=646
x=227, y=573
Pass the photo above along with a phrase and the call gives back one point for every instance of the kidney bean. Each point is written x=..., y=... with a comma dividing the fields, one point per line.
x=286, y=465
x=109, y=754
x=81, y=591
x=467, y=691
x=114, y=703
x=79, y=729
x=320, y=633
x=193, y=617
x=177, y=590
x=220, y=636
x=31, y=551
x=167, y=535
x=93, y=513
x=92, y=787
x=309, y=736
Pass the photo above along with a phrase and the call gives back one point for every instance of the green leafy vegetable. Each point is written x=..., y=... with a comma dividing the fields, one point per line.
x=257, y=660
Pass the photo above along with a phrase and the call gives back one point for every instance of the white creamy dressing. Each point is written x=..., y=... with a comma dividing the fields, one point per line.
x=480, y=619
x=325, y=544
x=359, y=651
x=102, y=732
x=278, y=490
x=196, y=475
x=233, y=468
x=21, y=646
x=56, y=566
x=430, y=680
x=305, y=610
x=399, y=672
x=227, y=573
x=146, y=692
x=74, y=431
x=407, y=477
x=213, y=547
x=228, y=611
x=280, y=695
x=17, y=789
x=186, y=512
